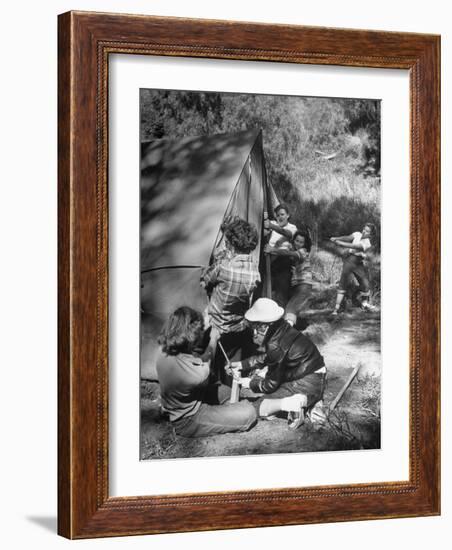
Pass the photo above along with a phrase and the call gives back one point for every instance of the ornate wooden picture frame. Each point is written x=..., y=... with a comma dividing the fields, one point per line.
x=86, y=40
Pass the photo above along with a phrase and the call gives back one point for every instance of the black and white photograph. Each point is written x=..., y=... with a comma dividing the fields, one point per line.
x=260, y=274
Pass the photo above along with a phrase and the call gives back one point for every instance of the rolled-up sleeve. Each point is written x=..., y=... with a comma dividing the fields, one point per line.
x=210, y=275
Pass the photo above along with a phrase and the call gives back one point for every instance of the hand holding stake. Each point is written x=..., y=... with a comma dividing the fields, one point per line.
x=235, y=388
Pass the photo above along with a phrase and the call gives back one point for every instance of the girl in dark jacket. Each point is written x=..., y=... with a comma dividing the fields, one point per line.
x=290, y=368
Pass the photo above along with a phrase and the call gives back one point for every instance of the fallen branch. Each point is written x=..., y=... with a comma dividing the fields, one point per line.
x=326, y=156
x=344, y=387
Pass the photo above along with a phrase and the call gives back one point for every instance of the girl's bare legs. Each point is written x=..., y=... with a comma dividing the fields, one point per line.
x=339, y=300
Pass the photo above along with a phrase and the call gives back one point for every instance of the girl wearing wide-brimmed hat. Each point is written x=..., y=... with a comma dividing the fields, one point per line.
x=293, y=369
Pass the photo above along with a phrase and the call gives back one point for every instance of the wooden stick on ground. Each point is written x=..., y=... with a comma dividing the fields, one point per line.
x=344, y=387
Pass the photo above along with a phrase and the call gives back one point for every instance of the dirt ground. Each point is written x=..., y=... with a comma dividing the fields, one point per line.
x=350, y=340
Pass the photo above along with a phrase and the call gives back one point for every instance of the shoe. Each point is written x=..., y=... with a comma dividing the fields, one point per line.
x=335, y=313
x=295, y=418
x=367, y=307
x=296, y=414
x=317, y=414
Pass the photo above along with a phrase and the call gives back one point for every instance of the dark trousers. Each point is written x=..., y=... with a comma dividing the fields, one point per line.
x=299, y=299
x=353, y=265
x=281, y=275
x=311, y=385
x=217, y=416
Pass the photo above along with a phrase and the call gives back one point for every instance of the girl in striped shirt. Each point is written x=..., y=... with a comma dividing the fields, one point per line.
x=301, y=279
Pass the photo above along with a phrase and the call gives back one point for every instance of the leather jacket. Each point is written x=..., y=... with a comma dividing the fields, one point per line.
x=289, y=355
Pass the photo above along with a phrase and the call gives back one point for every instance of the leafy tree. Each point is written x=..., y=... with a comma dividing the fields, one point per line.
x=322, y=154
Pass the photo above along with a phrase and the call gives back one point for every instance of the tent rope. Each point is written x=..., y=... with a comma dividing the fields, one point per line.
x=148, y=269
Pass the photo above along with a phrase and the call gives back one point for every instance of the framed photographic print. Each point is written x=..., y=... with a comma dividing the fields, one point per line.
x=248, y=275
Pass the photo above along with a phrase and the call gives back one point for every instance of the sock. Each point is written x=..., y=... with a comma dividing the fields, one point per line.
x=293, y=403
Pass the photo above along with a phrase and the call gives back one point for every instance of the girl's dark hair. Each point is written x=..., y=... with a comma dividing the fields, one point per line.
x=281, y=206
x=183, y=331
x=240, y=234
x=307, y=239
x=372, y=227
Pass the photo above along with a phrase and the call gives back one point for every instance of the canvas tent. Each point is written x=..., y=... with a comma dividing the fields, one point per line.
x=187, y=189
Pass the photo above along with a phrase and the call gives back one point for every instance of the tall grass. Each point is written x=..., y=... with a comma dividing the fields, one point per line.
x=331, y=198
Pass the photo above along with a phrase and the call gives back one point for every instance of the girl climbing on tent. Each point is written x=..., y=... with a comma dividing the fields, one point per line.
x=301, y=280
x=230, y=282
x=282, y=232
x=358, y=245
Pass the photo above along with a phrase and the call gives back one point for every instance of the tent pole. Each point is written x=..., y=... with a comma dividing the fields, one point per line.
x=267, y=259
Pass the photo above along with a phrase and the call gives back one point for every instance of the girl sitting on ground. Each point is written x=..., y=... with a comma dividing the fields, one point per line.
x=195, y=408
x=301, y=280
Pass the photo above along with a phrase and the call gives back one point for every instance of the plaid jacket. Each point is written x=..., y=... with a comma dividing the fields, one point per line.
x=231, y=283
